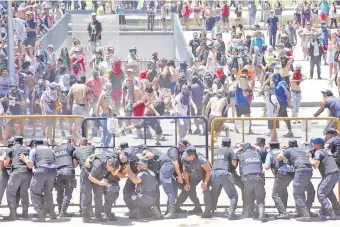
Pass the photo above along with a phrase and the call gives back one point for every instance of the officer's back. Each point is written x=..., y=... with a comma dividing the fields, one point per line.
x=64, y=154
x=223, y=157
x=82, y=153
x=250, y=161
x=14, y=153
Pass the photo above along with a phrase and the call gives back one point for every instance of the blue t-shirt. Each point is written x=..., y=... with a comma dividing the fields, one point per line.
x=33, y=25
x=258, y=43
x=240, y=99
x=272, y=24
x=280, y=91
x=333, y=104
x=324, y=7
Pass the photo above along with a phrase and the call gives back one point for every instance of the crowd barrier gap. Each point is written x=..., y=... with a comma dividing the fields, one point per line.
x=176, y=118
x=274, y=119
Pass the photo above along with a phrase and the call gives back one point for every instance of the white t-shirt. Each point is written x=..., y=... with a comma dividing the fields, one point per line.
x=271, y=103
x=179, y=107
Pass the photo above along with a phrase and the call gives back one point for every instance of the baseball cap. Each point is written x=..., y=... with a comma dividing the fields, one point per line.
x=327, y=92
x=124, y=144
x=143, y=161
x=183, y=142
x=331, y=131
x=318, y=141
x=226, y=140
x=18, y=139
x=246, y=146
x=190, y=150
x=93, y=14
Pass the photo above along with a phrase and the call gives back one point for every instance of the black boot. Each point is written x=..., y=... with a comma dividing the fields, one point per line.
x=171, y=212
x=86, y=215
x=196, y=210
x=304, y=215
x=246, y=211
x=262, y=215
x=25, y=211
x=53, y=215
x=336, y=208
x=40, y=217
x=111, y=216
x=312, y=214
x=330, y=215
x=157, y=213
x=232, y=215
x=63, y=213
x=12, y=216
x=207, y=211
x=134, y=214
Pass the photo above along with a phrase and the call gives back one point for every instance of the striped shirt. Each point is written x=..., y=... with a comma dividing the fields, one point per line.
x=96, y=85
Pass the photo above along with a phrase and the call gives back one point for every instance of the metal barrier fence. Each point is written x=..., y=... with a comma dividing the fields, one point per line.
x=305, y=132
x=33, y=126
x=145, y=130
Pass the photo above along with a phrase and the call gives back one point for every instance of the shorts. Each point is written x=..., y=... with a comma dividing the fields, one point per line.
x=271, y=124
x=78, y=109
x=30, y=42
x=117, y=95
x=324, y=16
x=330, y=57
x=225, y=19
x=218, y=125
x=325, y=47
x=185, y=19
x=242, y=109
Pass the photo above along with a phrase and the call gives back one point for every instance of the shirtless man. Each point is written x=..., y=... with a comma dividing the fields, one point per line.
x=104, y=109
x=286, y=63
x=219, y=108
x=131, y=94
x=80, y=102
x=295, y=90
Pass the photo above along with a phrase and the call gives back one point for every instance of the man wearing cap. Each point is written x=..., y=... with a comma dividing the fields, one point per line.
x=65, y=181
x=332, y=103
x=79, y=158
x=323, y=160
x=298, y=157
x=19, y=179
x=196, y=169
x=253, y=180
x=284, y=174
x=97, y=167
x=145, y=195
x=224, y=159
x=94, y=30
x=43, y=159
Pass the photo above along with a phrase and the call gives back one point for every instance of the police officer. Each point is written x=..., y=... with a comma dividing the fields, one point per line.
x=65, y=181
x=298, y=157
x=175, y=154
x=97, y=166
x=224, y=157
x=3, y=171
x=144, y=197
x=324, y=161
x=284, y=174
x=79, y=158
x=110, y=196
x=19, y=179
x=253, y=179
x=42, y=158
x=196, y=169
x=332, y=142
x=164, y=169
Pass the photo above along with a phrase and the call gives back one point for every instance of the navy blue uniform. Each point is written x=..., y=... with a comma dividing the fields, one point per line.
x=3, y=177
x=19, y=179
x=330, y=177
x=221, y=175
x=65, y=175
x=42, y=182
x=302, y=177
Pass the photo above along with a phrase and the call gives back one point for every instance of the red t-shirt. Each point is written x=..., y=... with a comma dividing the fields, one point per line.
x=138, y=110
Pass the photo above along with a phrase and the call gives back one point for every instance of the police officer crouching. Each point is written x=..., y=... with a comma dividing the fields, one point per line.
x=221, y=175
x=284, y=174
x=196, y=169
x=144, y=197
x=253, y=180
x=65, y=181
x=330, y=173
x=42, y=158
x=20, y=177
x=98, y=165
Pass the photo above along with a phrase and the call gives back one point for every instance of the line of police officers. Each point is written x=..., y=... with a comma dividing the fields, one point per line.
x=181, y=168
